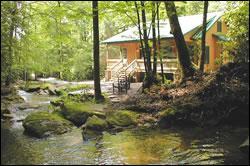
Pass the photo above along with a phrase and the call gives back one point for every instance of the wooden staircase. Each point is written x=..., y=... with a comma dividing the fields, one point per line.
x=121, y=79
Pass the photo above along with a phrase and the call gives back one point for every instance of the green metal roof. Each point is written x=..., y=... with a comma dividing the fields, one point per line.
x=187, y=23
x=220, y=36
x=210, y=23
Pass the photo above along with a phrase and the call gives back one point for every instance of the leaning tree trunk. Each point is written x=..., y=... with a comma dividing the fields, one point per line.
x=159, y=42
x=154, y=40
x=97, y=86
x=203, y=39
x=183, y=55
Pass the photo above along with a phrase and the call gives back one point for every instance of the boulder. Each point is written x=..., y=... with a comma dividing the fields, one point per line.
x=93, y=128
x=78, y=113
x=57, y=102
x=95, y=123
x=28, y=106
x=6, y=90
x=122, y=118
x=8, y=116
x=88, y=134
x=166, y=117
x=42, y=124
x=32, y=88
x=52, y=91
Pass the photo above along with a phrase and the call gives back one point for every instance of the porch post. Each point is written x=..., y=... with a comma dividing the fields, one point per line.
x=121, y=57
x=107, y=57
x=107, y=53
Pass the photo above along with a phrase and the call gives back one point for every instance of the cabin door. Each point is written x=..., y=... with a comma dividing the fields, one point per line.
x=124, y=54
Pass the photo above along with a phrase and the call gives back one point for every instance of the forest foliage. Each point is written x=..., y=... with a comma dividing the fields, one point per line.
x=54, y=38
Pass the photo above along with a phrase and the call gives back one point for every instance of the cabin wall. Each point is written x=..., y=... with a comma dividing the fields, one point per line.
x=132, y=50
x=214, y=46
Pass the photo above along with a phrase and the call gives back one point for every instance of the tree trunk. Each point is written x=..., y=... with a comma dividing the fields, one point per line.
x=97, y=87
x=159, y=42
x=183, y=55
x=203, y=39
x=10, y=46
x=140, y=35
x=149, y=76
x=154, y=40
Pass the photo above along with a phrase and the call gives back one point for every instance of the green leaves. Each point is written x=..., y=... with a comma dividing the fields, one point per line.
x=237, y=20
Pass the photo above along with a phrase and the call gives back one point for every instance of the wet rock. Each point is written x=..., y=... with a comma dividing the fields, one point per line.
x=52, y=91
x=8, y=116
x=244, y=147
x=78, y=113
x=93, y=128
x=6, y=90
x=28, y=106
x=166, y=117
x=95, y=123
x=60, y=91
x=42, y=124
x=57, y=102
x=7, y=100
x=33, y=88
x=88, y=134
x=122, y=118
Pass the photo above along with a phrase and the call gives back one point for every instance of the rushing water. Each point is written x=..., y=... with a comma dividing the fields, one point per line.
x=134, y=146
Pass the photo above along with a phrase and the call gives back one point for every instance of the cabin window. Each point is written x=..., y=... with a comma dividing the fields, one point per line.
x=207, y=55
x=219, y=26
x=191, y=50
x=168, y=52
x=124, y=53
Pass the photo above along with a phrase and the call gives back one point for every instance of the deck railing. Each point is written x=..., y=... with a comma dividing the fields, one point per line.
x=169, y=65
x=137, y=65
x=116, y=67
x=131, y=68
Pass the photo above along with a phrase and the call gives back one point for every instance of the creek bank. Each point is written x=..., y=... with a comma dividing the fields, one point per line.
x=9, y=97
x=219, y=98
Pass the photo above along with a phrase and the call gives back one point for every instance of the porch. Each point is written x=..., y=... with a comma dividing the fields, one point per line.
x=120, y=67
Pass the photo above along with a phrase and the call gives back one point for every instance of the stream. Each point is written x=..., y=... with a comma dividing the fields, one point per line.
x=132, y=146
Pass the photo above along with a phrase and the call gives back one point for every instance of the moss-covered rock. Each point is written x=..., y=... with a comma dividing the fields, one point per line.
x=42, y=124
x=57, y=102
x=122, y=118
x=91, y=134
x=95, y=123
x=35, y=86
x=8, y=100
x=78, y=113
x=4, y=110
x=60, y=92
x=166, y=117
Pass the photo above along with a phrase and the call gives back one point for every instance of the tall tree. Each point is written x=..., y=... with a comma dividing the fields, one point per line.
x=154, y=40
x=183, y=55
x=203, y=39
x=97, y=87
x=142, y=52
x=148, y=80
x=159, y=41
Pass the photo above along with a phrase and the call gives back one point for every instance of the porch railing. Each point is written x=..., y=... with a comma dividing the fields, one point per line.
x=131, y=68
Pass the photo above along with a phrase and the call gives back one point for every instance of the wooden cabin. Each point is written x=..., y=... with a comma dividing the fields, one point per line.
x=130, y=62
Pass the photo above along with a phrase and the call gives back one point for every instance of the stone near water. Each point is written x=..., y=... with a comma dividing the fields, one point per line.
x=8, y=115
x=42, y=124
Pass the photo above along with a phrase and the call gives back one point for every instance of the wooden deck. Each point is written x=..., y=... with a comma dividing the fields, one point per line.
x=114, y=66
